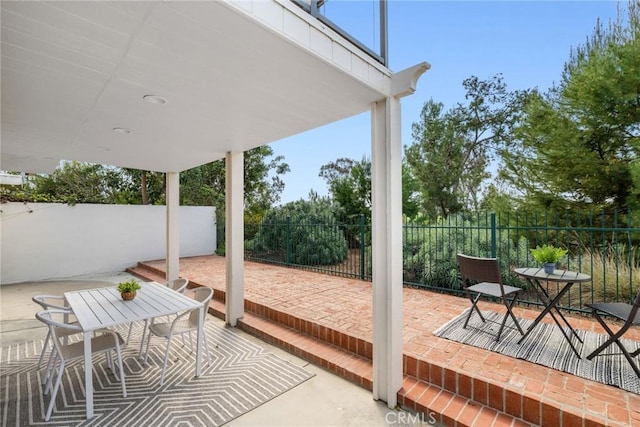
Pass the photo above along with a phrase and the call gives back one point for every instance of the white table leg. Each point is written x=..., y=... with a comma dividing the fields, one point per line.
x=199, y=341
x=65, y=318
x=88, y=374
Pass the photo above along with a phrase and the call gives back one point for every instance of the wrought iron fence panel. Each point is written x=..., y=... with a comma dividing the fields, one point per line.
x=602, y=245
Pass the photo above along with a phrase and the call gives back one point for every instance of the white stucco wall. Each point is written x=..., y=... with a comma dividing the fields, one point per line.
x=51, y=240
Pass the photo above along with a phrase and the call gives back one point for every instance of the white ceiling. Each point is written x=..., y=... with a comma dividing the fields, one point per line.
x=73, y=71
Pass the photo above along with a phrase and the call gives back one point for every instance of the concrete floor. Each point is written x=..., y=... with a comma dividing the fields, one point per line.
x=324, y=400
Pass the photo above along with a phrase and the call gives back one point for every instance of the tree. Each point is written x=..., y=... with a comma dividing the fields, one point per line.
x=410, y=192
x=205, y=186
x=349, y=184
x=76, y=182
x=302, y=232
x=436, y=159
x=146, y=187
x=263, y=185
x=452, y=150
x=495, y=198
x=578, y=143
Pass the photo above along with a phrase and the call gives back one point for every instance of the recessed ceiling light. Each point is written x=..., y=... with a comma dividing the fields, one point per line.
x=154, y=99
x=122, y=130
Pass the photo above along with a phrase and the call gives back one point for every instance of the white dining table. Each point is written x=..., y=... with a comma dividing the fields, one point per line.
x=104, y=308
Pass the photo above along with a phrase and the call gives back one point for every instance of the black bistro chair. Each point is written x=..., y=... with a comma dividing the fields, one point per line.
x=482, y=277
x=627, y=313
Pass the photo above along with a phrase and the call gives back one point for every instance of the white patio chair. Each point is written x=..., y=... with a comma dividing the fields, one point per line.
x=52, y=302
x=184, y=323
x=103, y=341
x=178, y=285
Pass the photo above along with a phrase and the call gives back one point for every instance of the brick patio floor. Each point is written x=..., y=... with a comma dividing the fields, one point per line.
x=346, y=305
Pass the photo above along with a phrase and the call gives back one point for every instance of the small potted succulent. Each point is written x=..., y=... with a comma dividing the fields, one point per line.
x=548, y=256
x=128, y=289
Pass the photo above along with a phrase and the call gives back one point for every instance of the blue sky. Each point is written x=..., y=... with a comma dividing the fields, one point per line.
x=527, y=42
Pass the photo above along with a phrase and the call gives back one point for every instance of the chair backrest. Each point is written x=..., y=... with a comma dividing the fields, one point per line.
x=474, y=269
x=50, y=301
x=54, y=319
x=178, y=285
x=202, y=294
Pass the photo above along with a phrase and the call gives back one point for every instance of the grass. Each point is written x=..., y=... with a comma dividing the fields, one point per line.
x=614, y=272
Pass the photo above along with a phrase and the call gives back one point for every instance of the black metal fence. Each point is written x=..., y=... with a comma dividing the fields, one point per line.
x=602, y=246
x=313, y=246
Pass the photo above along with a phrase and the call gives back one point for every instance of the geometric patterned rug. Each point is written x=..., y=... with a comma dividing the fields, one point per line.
x=241, y=377
x=547, y=346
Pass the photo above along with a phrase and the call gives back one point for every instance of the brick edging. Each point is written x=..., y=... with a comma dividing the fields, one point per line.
x=499, y=397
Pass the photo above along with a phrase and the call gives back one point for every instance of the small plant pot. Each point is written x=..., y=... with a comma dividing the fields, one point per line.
x=128, y=296
x=549, y=267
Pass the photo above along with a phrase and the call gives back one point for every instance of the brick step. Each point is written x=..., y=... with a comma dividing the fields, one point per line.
x=454, y=397
x=427, y=401
x=451, y=409
x=343, y=355
x=147, y=272
x=217, y=308
x=344, y=363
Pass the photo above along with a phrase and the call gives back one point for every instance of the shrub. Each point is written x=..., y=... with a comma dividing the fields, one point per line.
x=305, y=231
x=436, y=258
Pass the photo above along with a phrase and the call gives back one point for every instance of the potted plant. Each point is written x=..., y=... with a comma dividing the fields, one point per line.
x=548, y=256
x=128, y=289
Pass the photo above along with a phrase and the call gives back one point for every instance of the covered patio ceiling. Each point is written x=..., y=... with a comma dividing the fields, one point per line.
x=72, y=72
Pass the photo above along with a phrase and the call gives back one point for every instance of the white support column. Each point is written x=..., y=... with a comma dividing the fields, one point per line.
x=386, y=194
x=234, y=236
x=386, y=189
x=173, y=226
